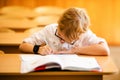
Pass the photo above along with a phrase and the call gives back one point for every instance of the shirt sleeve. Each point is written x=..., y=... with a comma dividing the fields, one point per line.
x=37, y=38
x=90, y=38
x=41, y=36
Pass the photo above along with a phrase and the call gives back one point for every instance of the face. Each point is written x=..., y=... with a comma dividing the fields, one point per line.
x=62, y=38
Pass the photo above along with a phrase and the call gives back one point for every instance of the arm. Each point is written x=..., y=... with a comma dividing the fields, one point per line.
x=95, y=45
x=28, y=48
x=97, y=49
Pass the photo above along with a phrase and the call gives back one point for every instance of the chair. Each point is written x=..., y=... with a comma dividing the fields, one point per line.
x=32, y=30
x=18, y=11
x=49, y=10
x=45, y=20
x=47, y=15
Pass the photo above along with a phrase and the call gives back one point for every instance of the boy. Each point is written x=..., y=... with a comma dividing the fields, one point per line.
x=70, y=36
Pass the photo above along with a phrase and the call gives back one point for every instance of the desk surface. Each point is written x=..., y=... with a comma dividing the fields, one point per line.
x=10, y=64
x=17, y=24
x=9, y=39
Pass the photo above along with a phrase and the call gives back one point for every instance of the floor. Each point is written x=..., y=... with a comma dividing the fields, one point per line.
x=115, y=53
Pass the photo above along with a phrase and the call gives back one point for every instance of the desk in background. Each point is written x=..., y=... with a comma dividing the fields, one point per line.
x=9, y=42
x=10, y=70
x=17, y=25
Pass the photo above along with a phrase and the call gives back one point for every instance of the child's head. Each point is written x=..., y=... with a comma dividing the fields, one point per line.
x=73, y=22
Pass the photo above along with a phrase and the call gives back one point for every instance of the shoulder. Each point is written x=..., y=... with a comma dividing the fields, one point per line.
x=48, y=30
x=88, y=33
x=90, y=36
x=51, y=26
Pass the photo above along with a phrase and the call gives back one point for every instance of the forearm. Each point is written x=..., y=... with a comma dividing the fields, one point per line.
x=97, y=49
x=26, y=47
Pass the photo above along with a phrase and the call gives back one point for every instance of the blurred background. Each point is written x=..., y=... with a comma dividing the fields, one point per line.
x=104, y=14
x=20, y=18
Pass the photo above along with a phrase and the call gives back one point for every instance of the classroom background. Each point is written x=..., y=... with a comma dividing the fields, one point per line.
x=27, y=16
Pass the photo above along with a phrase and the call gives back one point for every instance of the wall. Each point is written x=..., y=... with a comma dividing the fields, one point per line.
x=104, y=14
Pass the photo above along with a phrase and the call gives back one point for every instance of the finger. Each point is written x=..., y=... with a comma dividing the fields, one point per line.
x=43, y=51
x=49, y=49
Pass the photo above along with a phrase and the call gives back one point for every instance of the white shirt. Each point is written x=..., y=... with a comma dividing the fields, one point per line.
x=47, y=35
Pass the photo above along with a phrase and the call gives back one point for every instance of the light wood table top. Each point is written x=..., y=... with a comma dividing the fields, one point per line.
x=10, y=64
x=12, y=38
x=17, y=24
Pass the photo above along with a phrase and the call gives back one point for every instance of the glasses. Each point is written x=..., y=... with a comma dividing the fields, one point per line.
x=57, y=35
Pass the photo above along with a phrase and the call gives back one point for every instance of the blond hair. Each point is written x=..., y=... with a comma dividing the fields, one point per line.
x=73, y=22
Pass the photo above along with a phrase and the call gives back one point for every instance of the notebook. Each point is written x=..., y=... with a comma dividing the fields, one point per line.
x=32, y=62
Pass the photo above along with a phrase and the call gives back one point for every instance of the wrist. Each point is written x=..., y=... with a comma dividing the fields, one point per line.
x=36, y=49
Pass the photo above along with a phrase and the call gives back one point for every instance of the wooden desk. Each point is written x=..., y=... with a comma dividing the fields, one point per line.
x=10, y=70
x=9, y=42
x=17, y=25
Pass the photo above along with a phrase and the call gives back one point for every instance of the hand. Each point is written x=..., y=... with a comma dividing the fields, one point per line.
x=45, y=50
x=71, y=51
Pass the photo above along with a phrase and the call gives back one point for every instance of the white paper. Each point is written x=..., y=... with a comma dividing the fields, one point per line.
x=70, y=62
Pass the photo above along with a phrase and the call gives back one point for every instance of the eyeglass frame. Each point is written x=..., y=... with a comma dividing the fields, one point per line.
x=72, y=43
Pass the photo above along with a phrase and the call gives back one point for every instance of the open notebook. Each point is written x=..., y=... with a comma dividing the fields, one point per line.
x=31, y=63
